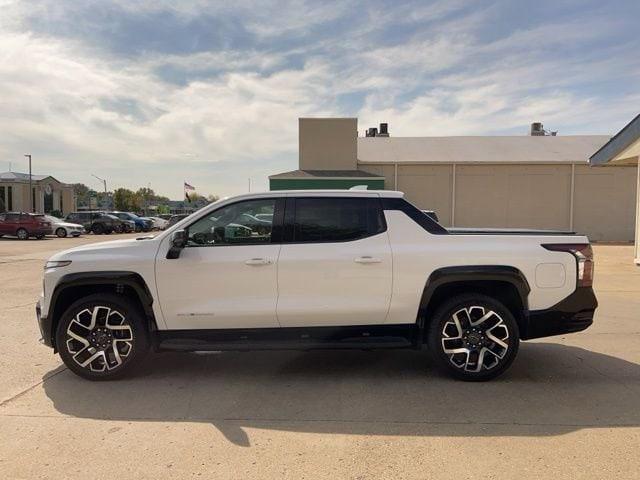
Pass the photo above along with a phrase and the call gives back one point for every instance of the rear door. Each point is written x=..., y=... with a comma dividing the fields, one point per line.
x=335, y=265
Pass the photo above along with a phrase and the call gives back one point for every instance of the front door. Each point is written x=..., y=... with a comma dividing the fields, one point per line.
x=226, y=275
x=335, y=266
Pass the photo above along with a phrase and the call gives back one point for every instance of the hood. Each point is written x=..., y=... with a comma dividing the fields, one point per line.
x=98, y=248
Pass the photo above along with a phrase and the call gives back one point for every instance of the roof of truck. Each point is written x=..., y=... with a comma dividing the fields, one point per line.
x=332, y=193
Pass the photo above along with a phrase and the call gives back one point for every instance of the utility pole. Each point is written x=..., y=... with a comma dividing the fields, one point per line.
x=104, y=182
x=30, y=186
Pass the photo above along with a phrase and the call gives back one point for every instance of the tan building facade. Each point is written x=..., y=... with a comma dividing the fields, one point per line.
x=622, y=151
x=48, y=194
x=542, y=182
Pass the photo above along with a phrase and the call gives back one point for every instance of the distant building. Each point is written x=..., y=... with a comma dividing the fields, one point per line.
x=539, y=180
x=48, y=194
x=622, y=151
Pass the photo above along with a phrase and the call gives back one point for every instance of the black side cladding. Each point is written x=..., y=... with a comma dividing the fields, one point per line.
x=414, y=214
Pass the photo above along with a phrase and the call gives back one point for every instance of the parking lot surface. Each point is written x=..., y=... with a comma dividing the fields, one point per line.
x=568, y=408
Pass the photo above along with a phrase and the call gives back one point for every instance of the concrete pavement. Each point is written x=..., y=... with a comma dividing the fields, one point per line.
x=568, y=408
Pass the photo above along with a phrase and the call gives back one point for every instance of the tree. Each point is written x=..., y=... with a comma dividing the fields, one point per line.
x=126, y=200
x=83, y=194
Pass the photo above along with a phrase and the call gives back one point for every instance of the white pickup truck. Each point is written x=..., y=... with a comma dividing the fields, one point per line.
x=315, y=269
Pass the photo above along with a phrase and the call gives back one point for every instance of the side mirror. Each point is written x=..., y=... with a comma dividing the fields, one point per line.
x=178, y=242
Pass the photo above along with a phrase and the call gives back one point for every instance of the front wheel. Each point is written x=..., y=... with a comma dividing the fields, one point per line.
x=473, y=337
x=97, y=229
x=22, y=234
x=102, y=337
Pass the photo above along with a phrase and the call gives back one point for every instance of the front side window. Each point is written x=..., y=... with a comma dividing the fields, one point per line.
x=336, y=219
x=241, y=223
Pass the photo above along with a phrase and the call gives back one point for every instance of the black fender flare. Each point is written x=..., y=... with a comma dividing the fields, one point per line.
x=472, y=273
x=119, y=279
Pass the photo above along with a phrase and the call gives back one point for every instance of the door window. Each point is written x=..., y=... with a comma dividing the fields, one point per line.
x=242, y=223
x=336, y=219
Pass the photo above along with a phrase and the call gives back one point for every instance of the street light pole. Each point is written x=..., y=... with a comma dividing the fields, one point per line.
x=30, y=185
x=104, y=182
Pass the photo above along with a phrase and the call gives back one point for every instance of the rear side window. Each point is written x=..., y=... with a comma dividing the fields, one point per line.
x=336, y=219
x=11, y=217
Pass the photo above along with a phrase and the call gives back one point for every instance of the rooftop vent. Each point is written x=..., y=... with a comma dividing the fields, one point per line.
x=374, y=132
x=537, y=130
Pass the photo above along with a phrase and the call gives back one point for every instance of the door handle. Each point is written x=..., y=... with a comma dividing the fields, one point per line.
x=258, y=261
x=367, y=259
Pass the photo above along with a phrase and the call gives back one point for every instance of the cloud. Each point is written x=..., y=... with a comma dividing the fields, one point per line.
x=159, y=91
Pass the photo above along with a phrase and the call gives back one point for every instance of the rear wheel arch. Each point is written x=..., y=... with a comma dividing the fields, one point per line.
x=503, y=283
x=75, y=286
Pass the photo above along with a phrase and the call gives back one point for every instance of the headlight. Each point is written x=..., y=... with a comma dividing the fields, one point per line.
x=56, y=264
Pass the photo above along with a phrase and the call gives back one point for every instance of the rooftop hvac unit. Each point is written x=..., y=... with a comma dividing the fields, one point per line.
x=537, y=130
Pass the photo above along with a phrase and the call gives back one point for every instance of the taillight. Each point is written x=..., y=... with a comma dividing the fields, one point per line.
x=584, y=258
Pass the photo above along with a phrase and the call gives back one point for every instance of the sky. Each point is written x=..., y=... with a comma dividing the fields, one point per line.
x=155, y=92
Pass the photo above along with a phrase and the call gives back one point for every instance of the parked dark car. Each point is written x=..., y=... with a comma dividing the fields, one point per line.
x=24, y=225
x=176, y=218
x=96, y=222
x=142, y=224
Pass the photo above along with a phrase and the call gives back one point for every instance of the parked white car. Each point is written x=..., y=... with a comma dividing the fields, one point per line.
x=62, y=229
x=319, y=269
x=159, y=223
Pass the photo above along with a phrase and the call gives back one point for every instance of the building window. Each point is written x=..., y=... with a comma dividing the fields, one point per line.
x=48, y=202
x=61, y=206
x=3, y=205
x=33, y=200
x=9, y=198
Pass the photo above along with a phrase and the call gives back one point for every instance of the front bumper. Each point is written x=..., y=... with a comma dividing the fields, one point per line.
x=573, y=314
x=44, y=324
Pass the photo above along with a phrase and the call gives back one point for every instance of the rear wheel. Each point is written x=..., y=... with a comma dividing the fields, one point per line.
x=97, y=229
x=22, y=234
x=40, y=236
x=61, y=232
x=473, y=337
x=102, y=337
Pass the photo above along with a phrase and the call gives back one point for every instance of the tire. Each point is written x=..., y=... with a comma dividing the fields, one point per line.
x=90, y=321
x=61, y=232
x=39, y=237
x=137, y=228
x=108, y=231
x=22, y=234
x=97, y=229
x=486, y=348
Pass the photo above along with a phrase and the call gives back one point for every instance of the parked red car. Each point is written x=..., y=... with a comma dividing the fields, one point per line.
x=24, y=225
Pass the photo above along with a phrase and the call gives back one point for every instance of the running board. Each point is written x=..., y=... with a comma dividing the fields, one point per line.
x=352, y=337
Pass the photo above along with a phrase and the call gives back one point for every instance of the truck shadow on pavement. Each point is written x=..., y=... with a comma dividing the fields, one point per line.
x=551, y=389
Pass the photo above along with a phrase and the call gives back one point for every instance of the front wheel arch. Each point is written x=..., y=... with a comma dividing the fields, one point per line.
x=79, y=285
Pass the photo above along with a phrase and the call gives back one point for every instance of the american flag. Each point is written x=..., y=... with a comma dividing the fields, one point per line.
x=188, y=188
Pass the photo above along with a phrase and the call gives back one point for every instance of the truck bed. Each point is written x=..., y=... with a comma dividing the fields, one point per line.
x=506, y=231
